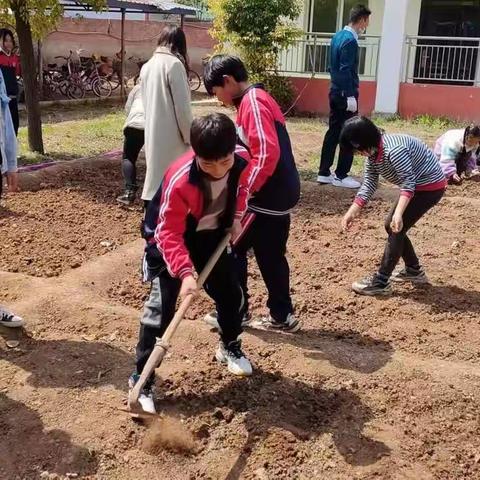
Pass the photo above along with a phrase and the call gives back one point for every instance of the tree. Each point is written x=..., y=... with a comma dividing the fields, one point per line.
x=33, y=19
x=258, y=30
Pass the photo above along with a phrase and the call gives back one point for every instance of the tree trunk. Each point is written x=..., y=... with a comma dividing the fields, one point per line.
x=29, y=74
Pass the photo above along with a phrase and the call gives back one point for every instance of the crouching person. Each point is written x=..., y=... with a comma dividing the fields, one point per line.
x=202, y=196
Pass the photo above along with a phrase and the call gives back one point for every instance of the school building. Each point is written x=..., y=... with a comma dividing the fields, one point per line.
x=417, y=57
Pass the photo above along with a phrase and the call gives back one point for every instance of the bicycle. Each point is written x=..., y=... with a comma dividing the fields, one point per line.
x=92, y=80
x=74, y=87
x=194, y=80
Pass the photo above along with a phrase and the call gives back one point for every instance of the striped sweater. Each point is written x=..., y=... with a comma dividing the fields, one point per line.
x=404, y=161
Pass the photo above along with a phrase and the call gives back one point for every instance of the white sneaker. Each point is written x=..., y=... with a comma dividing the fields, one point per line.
x=211, y=319
x=145, y=399
x=232, y=356
x=8, y=319
x=347, y=182
x=325, y=180
x=291, y=324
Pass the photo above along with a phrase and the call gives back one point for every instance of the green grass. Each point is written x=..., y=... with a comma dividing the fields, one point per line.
x=76, y=138
x=88, y=130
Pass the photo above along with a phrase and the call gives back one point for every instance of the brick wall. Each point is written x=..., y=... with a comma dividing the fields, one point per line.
x=103, y=37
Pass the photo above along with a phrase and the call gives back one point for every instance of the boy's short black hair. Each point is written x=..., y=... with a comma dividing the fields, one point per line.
x=213, y=136
x=361, y=134
x=220, y=66
x=358, y=12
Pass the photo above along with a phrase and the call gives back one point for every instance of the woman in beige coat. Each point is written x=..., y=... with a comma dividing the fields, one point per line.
x=168, y=114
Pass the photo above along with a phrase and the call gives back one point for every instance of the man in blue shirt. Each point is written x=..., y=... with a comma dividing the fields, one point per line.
x=344, y=56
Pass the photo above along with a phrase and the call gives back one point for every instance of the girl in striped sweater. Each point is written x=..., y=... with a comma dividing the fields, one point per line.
x=408, y=163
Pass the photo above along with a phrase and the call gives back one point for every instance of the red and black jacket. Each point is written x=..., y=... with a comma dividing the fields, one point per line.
x=274, y=182
x=173, y=214
x=11, y=69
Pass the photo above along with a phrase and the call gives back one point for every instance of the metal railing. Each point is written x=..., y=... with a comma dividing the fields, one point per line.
x=442, y=60
x=311, y=55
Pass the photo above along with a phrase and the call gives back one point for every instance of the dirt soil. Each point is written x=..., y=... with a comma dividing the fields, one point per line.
x=370, y=389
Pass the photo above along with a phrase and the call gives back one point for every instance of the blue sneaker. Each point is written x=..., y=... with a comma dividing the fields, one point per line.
x=146, y=395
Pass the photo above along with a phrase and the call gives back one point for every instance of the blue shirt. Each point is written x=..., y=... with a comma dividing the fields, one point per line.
x=344, y=59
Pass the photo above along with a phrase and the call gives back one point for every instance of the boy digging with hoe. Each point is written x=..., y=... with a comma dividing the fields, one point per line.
x=202, y=196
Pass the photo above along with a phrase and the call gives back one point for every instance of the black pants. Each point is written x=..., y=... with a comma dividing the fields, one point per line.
x=134, y=139
x=398, y=244
x=222, y=286
x=13, y=105
x=338, y=116
x=268, y=236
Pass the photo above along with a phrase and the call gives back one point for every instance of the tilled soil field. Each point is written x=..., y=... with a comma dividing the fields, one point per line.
x=369, y=389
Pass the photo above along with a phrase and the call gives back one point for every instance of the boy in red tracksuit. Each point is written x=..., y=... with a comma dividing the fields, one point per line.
x=202, y=196
x=273, y=182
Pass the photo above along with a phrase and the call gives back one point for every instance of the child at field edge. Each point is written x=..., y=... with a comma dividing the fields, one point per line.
x=202, y=196
x=134, y=140
x=458, y=152
x=408, y=163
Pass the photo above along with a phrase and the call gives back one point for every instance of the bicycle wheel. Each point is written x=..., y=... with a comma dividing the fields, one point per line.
x=63, y=86
x=101, y=87
x=75, y=91
x=194, y=80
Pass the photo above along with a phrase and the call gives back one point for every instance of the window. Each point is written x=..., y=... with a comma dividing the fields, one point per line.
x=328, y=16
x=324, y=16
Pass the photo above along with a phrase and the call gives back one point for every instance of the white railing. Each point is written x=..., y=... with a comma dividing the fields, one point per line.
x=443, y=60
x=310, y=55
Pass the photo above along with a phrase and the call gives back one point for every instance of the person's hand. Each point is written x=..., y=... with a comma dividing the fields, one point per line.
x=350, y=216
x=236, y=229
x=456, y=179
x=352, y=105
x=397, y=223
x=189, y=287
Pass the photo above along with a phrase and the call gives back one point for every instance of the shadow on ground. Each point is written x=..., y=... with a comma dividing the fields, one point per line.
x=347, y=350
x=69, y=364
x=28, y=448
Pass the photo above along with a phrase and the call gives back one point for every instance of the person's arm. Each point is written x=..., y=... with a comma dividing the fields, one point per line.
x=401, y=160
x=258, y=125
x=347, y=68
x=180, y=91
x=448, y=154
x=243, y=190
x=131, y=98
x=18, y=68
x=169, y=234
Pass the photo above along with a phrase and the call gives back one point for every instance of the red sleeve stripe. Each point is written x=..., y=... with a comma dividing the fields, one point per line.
x=261, y=134
x=166, y=200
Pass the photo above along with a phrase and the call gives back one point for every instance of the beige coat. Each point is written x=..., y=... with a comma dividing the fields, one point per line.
x=168, y=115
x=134, y=110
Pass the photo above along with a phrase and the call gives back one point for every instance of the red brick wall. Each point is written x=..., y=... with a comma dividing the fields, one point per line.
x=314, y=98
x=455, y=102
x=103, y=37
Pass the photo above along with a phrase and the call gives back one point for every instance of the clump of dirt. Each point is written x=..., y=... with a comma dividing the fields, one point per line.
x=168, y=433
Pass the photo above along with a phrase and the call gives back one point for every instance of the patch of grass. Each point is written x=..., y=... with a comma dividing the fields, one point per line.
x=76, y=138
x=435, y=122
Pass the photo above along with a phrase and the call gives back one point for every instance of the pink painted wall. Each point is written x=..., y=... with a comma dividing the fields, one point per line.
x=455, y=102
x=314, y=98
x=103, y=37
